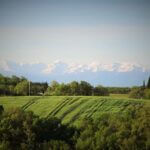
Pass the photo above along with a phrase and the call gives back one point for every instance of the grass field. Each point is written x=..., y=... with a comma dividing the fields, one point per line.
x=72, y=109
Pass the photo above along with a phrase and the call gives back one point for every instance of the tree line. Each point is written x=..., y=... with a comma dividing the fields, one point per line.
x=75, y=88
x=119, y=90
x=20, y=86
x=17, y=86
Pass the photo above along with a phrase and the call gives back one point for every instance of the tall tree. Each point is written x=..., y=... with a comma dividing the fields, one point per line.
x=85, y=88
x=144, y=84
x=148, y=83
x=74, y=87
x=22, y=88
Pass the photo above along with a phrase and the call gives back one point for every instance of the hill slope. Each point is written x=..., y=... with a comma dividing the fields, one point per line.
x=71, y=109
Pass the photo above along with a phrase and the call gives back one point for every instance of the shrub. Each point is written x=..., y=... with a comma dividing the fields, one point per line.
x=147, y=93
x=136, y=93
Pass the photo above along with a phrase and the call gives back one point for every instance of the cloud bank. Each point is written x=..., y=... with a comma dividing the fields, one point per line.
x=116, y=74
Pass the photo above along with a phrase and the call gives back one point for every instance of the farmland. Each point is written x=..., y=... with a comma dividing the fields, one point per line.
x=72, y=109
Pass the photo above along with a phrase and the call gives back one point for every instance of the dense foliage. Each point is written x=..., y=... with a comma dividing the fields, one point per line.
x=24, y=130
x=130, y=131
x=20, y=86
x=120, y=131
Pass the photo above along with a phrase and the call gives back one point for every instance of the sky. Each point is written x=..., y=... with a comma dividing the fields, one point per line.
x=83, y=33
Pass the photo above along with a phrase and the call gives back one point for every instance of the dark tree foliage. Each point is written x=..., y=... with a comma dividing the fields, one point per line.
x=148, y=83
x=75, y=88
x=100, y=91
x=38, y=88
x=85, y=88
x=1, y=109
x=24, y=130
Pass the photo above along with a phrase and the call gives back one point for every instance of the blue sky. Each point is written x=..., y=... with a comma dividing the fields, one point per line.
x=85, y=31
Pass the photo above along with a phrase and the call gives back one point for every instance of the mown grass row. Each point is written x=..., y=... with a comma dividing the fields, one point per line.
x=29, y=103
x=71, y=109
x=59, y=107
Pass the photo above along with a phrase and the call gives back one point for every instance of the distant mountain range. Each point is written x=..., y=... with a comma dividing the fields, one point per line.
x=116, y=74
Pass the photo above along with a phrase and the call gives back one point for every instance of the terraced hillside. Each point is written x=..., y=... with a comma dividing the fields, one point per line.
x=71, y=109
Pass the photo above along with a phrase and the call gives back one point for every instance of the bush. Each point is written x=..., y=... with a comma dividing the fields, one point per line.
x=136, y=93
x=24, y=130
x=147, y=93
x=140, y=93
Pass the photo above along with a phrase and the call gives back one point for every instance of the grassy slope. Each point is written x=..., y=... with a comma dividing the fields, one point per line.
x=71, y=109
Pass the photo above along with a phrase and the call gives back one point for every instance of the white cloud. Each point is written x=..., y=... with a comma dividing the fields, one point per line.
x=55, y=67
x=58, y=66
x=48, y=69
x=97, y=67
x=126, y=67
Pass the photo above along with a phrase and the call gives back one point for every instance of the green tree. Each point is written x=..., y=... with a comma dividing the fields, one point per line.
x=15, y=80
x=100, y=91
x=22, y=88
x=117, y=131
x=53, y=88
x=85, y=88
x=64, y=89
x=144, y=84
x=75, y=88
x=147, y=93
x=38, y=88
x=136, y=93
x=16, y=129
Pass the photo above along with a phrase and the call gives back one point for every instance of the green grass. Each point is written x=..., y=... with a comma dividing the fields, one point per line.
x=119, y=95
x=72, y=109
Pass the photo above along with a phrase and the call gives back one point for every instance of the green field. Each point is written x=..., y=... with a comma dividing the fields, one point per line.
x=72, y=109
